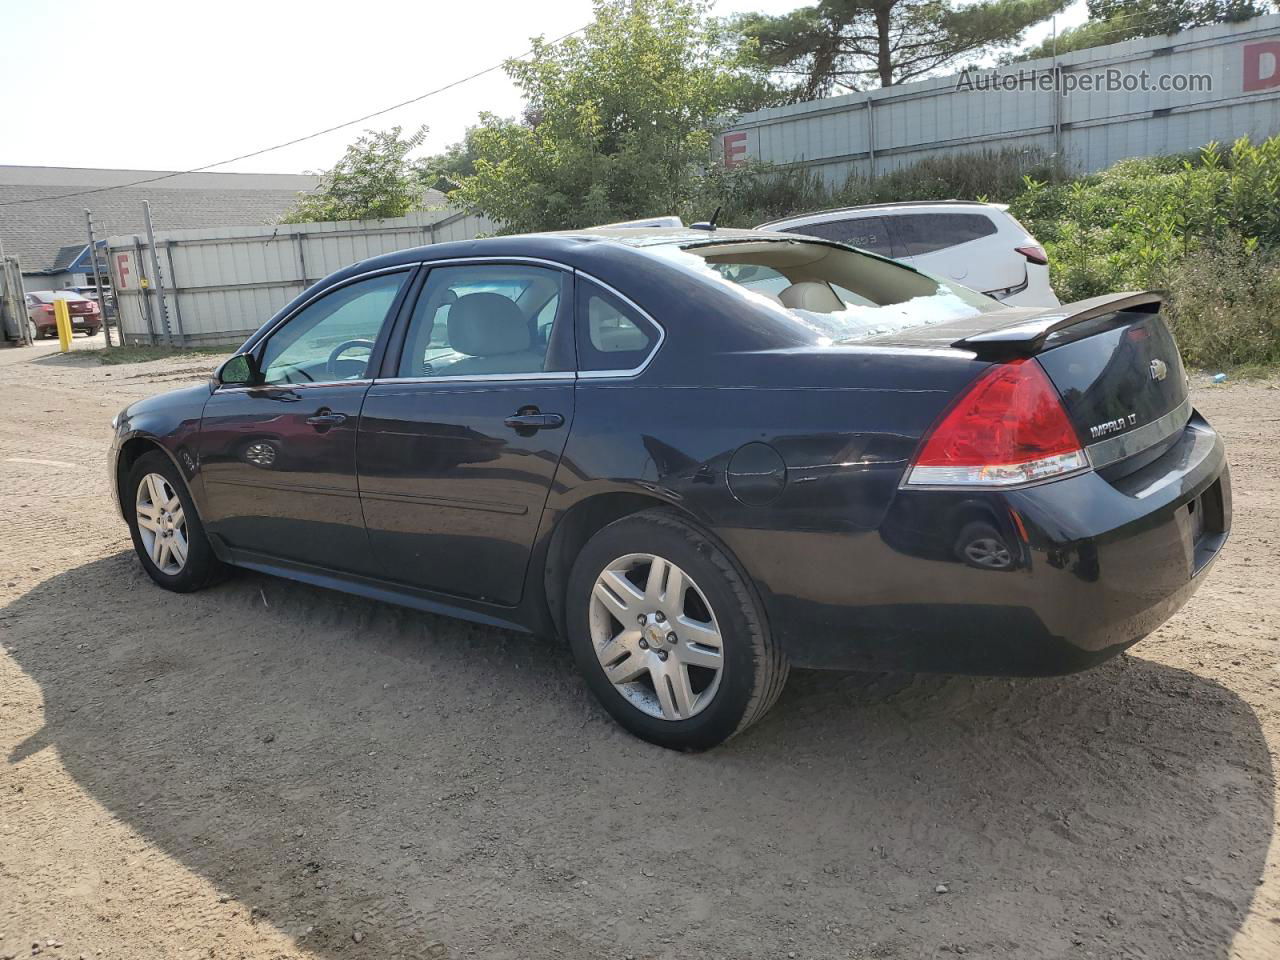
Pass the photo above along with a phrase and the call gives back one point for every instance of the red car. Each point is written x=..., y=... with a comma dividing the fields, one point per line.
x=85, y=314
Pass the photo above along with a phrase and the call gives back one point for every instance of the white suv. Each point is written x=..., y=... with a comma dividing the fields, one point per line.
x=978, y=244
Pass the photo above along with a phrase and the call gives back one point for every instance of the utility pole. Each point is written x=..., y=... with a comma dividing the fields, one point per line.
x=1057, y=106
x=155, y=271
x=97, y=281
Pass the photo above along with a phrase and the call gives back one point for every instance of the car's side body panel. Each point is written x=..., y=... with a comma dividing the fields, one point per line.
x=453, y=497
x=275, y=483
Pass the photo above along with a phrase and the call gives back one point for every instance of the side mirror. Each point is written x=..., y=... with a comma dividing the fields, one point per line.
x=240, y=371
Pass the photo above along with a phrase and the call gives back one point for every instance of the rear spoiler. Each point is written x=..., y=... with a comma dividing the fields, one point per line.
x=1028, y=336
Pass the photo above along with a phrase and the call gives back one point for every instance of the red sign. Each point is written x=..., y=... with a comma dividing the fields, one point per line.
x=122, y=270
x=1261, y=65
x=735, y=149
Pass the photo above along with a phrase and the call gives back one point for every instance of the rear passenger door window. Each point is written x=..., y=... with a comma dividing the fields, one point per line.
x=487, y=320
x=866, y=233
x=919, y=233
x=613, y=335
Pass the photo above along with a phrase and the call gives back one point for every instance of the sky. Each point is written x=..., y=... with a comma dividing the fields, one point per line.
x=176, y=84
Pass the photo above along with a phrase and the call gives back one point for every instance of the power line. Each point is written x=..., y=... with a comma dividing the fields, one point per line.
x=296, y=140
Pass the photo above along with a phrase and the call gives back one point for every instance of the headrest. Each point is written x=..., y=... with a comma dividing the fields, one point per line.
x=811, y=295
x=487, y=325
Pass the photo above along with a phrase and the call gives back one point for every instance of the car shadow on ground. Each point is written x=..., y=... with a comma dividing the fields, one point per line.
x=341, y=767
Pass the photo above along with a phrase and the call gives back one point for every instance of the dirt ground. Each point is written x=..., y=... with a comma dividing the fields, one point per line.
x=270, y=770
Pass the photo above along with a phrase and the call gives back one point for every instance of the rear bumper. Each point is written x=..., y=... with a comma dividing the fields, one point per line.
x=1092, y=567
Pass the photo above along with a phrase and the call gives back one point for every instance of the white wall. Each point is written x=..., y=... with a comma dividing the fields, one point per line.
x=901, y=125
x=220, y=285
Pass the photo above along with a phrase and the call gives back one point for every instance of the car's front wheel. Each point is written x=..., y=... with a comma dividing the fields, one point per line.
x=167, y=533
x=36, y=332
x=669, y=634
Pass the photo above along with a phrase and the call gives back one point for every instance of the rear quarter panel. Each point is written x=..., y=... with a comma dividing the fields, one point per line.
x=843, y=424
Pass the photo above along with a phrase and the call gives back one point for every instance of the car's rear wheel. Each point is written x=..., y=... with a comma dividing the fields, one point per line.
x=669, y=635
x=167, y=533
x=91, y=332
x=36, y=332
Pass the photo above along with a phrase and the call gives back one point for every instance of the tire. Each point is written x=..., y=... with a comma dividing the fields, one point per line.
x=199, y=568
x=37, y=332
x=713, y=703
x=981, y=545
x=91, y=332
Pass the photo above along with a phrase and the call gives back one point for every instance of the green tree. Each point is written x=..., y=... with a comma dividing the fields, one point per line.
x=1112, y=21
x=444, y=171
x=853, y=44
x=374, y=179
x=618, y=122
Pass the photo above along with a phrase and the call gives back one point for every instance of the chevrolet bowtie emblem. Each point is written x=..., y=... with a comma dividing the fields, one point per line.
x=1159, y=369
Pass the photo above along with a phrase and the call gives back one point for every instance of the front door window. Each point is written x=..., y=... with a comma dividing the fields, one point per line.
x=331, y=339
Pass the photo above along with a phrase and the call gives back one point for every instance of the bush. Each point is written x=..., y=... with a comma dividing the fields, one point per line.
x=1224, y=304
x=1206, y=227
x=1127, y=226
x=753, y=193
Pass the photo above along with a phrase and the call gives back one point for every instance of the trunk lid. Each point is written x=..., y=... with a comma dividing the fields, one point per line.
x=1123, y=385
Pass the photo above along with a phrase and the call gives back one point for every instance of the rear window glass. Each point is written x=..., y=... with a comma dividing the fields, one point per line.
x=920, y=233
x=867, y=233
x=837, y=294
x=48, y=296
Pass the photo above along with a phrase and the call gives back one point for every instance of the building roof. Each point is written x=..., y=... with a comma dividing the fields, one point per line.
x=42, y=233
x=67, y=256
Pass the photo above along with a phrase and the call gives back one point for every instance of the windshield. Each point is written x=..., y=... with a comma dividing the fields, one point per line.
x=836, y=292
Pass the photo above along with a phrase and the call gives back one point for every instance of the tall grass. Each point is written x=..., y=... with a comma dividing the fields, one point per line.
x=754, y=193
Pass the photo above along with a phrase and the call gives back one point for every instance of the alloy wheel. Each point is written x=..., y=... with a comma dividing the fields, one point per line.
x=988, y=552
x=162, y=524
x=656, y=636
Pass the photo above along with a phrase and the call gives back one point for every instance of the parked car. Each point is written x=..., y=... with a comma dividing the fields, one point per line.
x=106, y=303
x=84, y=313
x=977, y=244
x=701, y=456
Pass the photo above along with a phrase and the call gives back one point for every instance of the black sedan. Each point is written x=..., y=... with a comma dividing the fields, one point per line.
x=700, y=456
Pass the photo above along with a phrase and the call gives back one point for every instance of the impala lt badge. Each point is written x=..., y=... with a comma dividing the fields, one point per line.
x=1113, y=426
x=1159, y=369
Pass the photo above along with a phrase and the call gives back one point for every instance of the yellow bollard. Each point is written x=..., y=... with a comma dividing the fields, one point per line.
x=63, y=316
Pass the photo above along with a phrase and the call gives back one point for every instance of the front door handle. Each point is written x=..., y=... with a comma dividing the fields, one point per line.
x=324, y=417
x=534, y=421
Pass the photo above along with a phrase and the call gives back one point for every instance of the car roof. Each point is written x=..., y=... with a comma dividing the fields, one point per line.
x=568, y=246
x=945, y=206
x=665, y=236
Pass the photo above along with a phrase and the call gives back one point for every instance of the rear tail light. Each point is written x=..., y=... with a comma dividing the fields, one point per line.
x=1008, y=428
x=1034, y=254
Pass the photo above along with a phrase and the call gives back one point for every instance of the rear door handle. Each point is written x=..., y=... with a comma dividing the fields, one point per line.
x=324, y=417
x=534, y=421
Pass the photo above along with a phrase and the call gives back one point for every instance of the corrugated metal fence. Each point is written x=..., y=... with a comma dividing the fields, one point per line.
x=1123, y=115
x=218, y=286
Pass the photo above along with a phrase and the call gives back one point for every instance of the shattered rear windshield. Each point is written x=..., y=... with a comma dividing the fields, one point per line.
x=839, y=294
